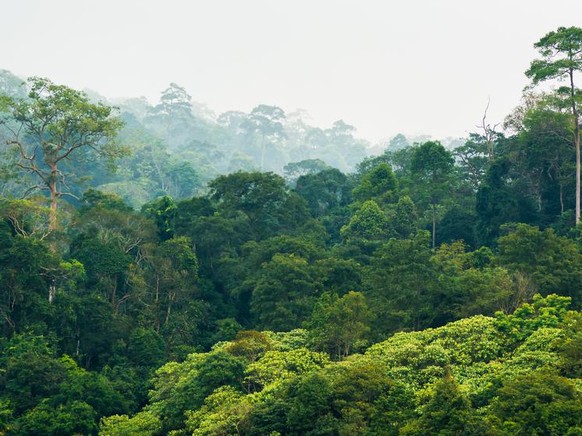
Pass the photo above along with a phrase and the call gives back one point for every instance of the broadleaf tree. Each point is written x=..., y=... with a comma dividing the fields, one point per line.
x=561, y=57
x=54, y=124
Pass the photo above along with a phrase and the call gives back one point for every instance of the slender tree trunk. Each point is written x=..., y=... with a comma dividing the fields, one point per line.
x=52, y=292
x=433, y=226
x=561, y=197
x=576, y=143
x=54, y=196
x=53, y=223
x=171, y=297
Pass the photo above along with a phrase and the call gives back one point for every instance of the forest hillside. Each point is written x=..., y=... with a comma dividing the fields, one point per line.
x=167, y=271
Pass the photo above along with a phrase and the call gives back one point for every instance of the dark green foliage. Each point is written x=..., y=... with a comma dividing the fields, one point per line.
x=538, y=403
x=339, y=324
x=432, y=168
x=31, y=371
x=553, y=262
x=93, y=198
x=53, y=395
x=379, y=184
x=368, y=223
x=545, y=156
x=145, y=348
x=163, y=212
x=104, y=262
x=284, y=292
x=263, y=199
x=76, y=417
x=458, y=224
x=402, y=285
x=24, y=281
x=324, y=191
x=447, y=412
x=498, y=202
x=309, y=409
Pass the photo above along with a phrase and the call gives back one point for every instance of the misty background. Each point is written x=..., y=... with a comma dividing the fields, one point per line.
x=418, y=68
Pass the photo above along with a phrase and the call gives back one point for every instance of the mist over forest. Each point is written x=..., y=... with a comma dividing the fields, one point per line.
x=165, y=270
x=178, y=145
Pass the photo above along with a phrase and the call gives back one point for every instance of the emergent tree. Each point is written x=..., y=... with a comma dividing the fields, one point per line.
x=53, y=124
x=561, y=53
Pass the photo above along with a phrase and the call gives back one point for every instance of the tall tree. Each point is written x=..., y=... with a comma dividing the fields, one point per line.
x=561, y=57
x=432, y=165
x=267, y=122
x=379, y=184
x=53, y=124
x=337, y=324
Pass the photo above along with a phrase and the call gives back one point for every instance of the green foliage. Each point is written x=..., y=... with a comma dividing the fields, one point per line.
x=181, y=387
x=163, y=212
x=146, y=348
x=294, y=170
x=27, y=264
x=404, y=219
x=431, y=166
x=75, y=417
x=225, y=411
x=52, y=395
x=284, y=292
x=27, y=218
x=561, y=52
x=93, y=198
x=401, y=280
x=473, y=158
x=324, y=191
x=170, y=298
x=498, y=201
x=424, y=382
x=553, y=262
x=275, y=367
x=543, y=312
x=447, y=412
x=58, y=123
x=143, y=423
x=570, y=346
x=339, y=324
x=379, y=184
x=368, y=223
x=249, y=344
x=262, y=197
x=538, y=403
x=468, y=286
x=545, y=158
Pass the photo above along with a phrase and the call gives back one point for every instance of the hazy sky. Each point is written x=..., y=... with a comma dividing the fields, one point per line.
x=416, y=66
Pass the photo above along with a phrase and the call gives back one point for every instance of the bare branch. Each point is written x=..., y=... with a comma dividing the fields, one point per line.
x=31, y=189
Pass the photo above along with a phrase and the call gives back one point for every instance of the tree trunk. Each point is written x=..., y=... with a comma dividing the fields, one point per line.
x=52, y=292
x=433, y=226
x=577, y=145
x=561, y=197
x=576, y=142
x=54, y=196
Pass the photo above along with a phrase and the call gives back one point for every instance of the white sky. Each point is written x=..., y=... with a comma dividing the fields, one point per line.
x=416, y=66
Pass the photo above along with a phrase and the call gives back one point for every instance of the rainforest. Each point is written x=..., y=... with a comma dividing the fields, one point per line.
x=168, y=271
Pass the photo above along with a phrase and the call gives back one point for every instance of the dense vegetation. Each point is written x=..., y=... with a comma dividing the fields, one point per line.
x=172, y=282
